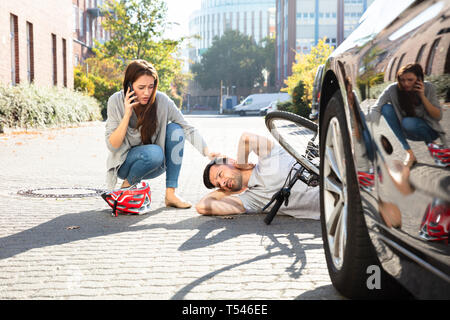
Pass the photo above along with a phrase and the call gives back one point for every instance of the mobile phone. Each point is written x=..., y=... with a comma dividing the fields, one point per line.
x=131, y=89
x=417, y=84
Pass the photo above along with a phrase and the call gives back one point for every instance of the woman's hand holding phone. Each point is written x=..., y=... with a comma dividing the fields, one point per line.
x=130, y=99
x=419, y=88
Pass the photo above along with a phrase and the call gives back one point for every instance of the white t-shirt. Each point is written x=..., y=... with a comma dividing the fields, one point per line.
x=268, y=176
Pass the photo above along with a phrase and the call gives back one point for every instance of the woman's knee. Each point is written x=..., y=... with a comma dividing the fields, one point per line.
x=174, y=133
x=388, y=110
x=413, y=125
x=152, y=154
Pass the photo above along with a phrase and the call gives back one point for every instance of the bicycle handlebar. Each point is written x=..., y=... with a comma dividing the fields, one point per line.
x=268, y=219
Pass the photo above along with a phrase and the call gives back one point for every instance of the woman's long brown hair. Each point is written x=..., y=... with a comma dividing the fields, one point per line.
x=146, y=114
x=407, y=99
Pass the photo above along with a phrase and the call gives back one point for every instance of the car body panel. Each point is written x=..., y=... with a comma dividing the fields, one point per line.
x=397, y=201
x=316, y=92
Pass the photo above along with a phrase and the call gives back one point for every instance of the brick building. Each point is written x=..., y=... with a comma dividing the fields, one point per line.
x=87, y=27
x=36, y=42
x=41, y=41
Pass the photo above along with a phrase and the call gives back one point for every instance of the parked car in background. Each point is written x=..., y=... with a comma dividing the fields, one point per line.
x=386, y=223
x=255, y=102
x=270, y=108
x=316, y=93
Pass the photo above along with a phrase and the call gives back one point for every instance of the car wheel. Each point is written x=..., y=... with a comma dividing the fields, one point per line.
x=242, y=113
x=348, y=250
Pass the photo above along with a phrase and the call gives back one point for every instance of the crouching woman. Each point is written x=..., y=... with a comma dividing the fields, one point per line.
x=145, y=133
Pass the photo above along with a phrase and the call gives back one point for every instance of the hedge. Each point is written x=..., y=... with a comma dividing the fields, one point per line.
x=30, y=106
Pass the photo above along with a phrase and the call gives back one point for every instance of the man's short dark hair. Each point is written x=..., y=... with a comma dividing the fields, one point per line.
x=206, y=179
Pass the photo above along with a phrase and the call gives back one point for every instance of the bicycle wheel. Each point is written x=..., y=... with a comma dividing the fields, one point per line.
x=296, y=135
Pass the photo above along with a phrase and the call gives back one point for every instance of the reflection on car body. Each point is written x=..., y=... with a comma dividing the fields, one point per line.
x=316, y=93
x=405, y=206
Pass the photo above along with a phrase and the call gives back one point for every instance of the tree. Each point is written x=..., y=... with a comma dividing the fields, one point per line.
x=234, y=58
x=305, y=67
x=136, y=28
x=99, y=79
x=268, y=56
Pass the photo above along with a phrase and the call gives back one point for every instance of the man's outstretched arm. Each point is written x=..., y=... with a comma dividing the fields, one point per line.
x=220, y=202
x=250, y=142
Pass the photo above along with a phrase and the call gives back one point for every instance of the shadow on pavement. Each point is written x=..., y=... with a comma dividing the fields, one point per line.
x=317, y=294
x=281, y=238
x=91, y=224
x=283, y=228
x=100, y=223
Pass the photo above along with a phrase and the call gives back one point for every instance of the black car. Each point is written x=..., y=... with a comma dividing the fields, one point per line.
x=385, y=187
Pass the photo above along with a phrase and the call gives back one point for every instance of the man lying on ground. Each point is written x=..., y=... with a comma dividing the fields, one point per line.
x=243, y=187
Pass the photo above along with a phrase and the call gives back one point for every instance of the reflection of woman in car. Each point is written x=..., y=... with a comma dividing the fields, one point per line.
x=411, y=108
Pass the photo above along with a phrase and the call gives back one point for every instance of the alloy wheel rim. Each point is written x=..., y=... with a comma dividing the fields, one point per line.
x=335, y=193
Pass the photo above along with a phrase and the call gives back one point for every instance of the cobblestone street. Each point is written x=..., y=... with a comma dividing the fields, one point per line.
x=71, y=248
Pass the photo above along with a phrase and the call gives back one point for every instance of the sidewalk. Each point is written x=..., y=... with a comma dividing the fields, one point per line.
x=73, y=249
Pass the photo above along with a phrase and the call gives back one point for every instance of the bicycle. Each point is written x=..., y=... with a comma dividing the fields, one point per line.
x=299, y=137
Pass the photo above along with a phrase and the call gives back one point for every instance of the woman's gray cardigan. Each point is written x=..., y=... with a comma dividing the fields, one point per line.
x=167, y=112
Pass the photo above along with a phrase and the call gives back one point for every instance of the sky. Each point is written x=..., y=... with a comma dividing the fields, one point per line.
x=179, y=11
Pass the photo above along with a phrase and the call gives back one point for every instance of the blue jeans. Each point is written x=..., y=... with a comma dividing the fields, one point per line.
x=412, y=128
x=147, y=161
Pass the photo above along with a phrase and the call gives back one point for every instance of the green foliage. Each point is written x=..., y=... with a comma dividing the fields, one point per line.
x=103, y=80
x=179, y=87
x=136, y=28
x=30, y=106
x=269, y=60
x=442, y=84
x=305, y=67
x=297, y=105
x=300, y=107
x=234, y=58
x=81, y=82
x=286, y=106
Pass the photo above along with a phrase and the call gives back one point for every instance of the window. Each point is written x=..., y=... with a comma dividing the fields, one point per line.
x=447, y=64
x=76, y=19
x=81, y=24
x=30, y=52
x=88, y=32
x=392, y=68
x=55, y=69
x=399, y=65
x=248, y=101
x=420, y=53
x=64, y=59
x=430, y=59
x=14, y=34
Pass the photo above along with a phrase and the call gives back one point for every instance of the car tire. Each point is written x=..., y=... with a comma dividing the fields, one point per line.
x=349, y=252
x=242, y=113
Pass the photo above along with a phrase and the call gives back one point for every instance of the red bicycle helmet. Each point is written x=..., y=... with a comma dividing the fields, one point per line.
x=440, y=154
x=133, y=200
x=436, y=222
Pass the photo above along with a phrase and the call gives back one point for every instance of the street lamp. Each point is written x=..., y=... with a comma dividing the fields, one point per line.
x=221, y=103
